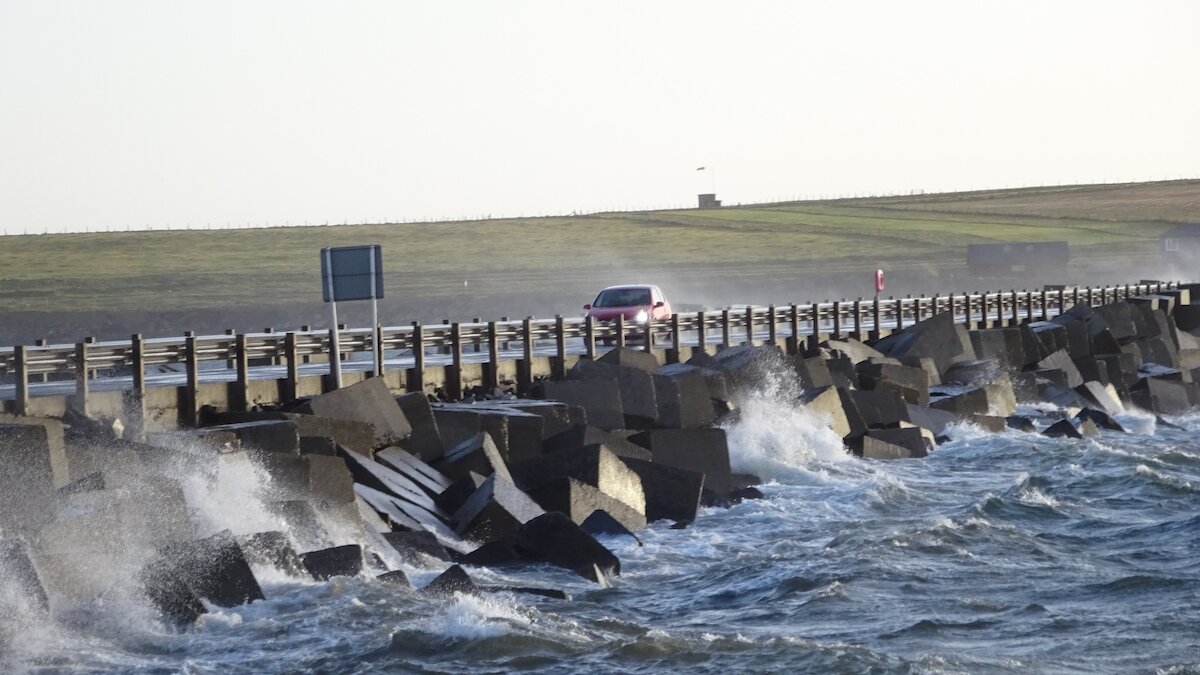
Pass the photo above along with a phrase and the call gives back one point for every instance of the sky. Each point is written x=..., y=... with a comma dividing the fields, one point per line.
x=119, y=114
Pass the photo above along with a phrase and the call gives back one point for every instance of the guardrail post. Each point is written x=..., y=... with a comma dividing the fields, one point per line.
x=589, y=337
x=241, y=356
x=1028, y=305
x=80, y=404
x=559, y=367
x=858, y=333
x=814, y=335
x=701, y=332
x=1045, y=305
x=191, y=364
x=836, y=333
x=772, y=327
x=454, y=388
x=1016, y=309
x=416, y=374
x=291, y=387
x=335, y=359
x=136, y=397
x=648, y=333
x=492, y=377
x=377, y=348
x=525, y=372
x=21, y=393
x=620, y=342
x=877, y=329
x=936, y=304
x=750, y=325
x=676, y=344
x=1075, y=296
x=726, y=341
x=793, y=343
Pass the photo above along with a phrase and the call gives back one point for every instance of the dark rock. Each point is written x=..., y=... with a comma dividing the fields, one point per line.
x=394, y=578
x=496, y=509
x=368, y=401
x=214, y=568
x=671, y=493
x=1098, y=418
x=271, y=549
x=554, y=539
x=413, y=546
x=1062, y=429
x=339, y=561
x=453, y=580
x=19, y=571
x=602, y=522
x=1020, y=423
x=496, y=553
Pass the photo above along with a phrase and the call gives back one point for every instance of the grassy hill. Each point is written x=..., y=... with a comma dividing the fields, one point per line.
x=180, y=270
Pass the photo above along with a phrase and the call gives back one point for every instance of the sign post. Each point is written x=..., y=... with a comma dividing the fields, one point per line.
x=352, y=273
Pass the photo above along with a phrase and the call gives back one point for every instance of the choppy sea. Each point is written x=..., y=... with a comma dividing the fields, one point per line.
x=997, y=553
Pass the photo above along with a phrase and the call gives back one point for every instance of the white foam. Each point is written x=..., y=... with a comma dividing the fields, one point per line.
x=473, y=617
x=773, y=438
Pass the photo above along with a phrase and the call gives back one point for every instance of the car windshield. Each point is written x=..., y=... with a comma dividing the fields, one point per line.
x=622, y=297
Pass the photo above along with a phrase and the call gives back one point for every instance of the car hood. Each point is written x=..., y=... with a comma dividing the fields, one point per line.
x=613, y=312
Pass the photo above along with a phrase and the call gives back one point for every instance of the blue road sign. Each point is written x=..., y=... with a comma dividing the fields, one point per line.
x=352, y=273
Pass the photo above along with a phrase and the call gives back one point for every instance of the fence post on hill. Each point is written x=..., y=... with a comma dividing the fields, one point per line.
x=559, y=367
x=725, y=339
x=21, y=392
x=454, y=388
x=836, y=332
x=701, y=333
x=416, y=374
x=191, y=366
x=525, y=365
x=772, y=327
x=673, y=354
x=492, y=376
x=589, y=337
x=135, y=401
x=242, y=359
x=80, y=401
x=292, y=384
x=750, y=325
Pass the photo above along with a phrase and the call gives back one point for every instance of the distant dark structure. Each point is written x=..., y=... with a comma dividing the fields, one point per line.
x=1018, y=257
x=709, y=200
x=1180, y=244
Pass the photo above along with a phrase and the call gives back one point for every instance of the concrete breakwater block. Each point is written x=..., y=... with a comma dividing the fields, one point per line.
x=601, y=522
x=702, y=450
x=271, y=549
x=379, y=477
x=453, y=580
x=453, y=497
x=671, y=493
x=639, y=402
x=516, y=433
x=911, y=383
x=170, y=595
x=876, y=408
x=937, y=337
x=274, y=436
x=21, y=574
x=1164, y=397
x=214, y=568
x=55, y=446
x=1103, y=397
x=683, y=397
x=580, y=500
x=405, y=515
x=556, y=417
x=854, y=350
x=830, y=403
x=578, y=437
x=901, y=443
x=432, y=481
x=813, y=371
x=600, y=399
x=368, y=401
x=554, y=539
x=394, y=578
x=625, y=357
x=595, y=465
x=26, y=476
x=746, y=367
x=353, y=434
x=415, y=547
x=496, y=509
x=426, y=439
x=339, y=561
x=1101, y=419
x=478, y=453
x=1004, y=346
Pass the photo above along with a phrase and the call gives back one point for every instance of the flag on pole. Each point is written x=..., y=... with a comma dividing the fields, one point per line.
x=699, y=168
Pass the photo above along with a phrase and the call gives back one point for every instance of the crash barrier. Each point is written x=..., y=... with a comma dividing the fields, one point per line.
x=506, y=343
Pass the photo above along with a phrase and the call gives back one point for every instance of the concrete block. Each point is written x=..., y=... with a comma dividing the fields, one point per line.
x=703, y=450
x=937, y=337
x=854, y=350
x=578, y=437
x=625, y=357
x=517, y=434
x=579, y=500
x=394, y=578
x=415, y=548
x=1100, y=419
x=379, y=477
x=1063, y=429
x=358, y=436
x=26, y=476
x=601, y=522
x=453, y=580
x=1051, y=336
x=901, y=443
x=274, y=436
x=1163, y=397
x=368, y=401
x=215, y=569
x=338, y=561
x=594, y=465
x=21, y=575
x=683, y=397
x=828, y=402
x=1119, y=317
x=879, y=408
x=554, y=539
x=496, y=553
x=1020, y=423
x=671, y=493
x=600, y=399
x=911, y=383
x=431, y=480
x=1060, y=360
x=926, y=364
x=1103, y=397
x=329, y=480
x=453, y=497
x=169, y=594
x=425, y=441
x=1187, y=318
x=842, y=372
x=977, y=372
x=1002, y=345
x=639, y=402
x=405, y=515
x=61, y=468
x=556, y=417
x=932, y=419
x=271, y=549
x=302, y=523
x=814, y=372
x=496, y=509
x=478, y=453
x=1158, y=350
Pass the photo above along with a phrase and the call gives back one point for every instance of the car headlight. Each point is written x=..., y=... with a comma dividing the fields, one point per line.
x=642, y=316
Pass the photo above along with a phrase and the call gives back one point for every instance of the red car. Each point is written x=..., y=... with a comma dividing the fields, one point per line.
x=636, y=303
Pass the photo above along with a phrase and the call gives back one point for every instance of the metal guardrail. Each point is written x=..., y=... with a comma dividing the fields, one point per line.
x=860, y=318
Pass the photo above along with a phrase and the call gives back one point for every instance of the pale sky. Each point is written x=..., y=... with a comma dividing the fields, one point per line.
x=123, y=114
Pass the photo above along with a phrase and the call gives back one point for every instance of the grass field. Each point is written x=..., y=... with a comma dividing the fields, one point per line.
x=195, y=269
